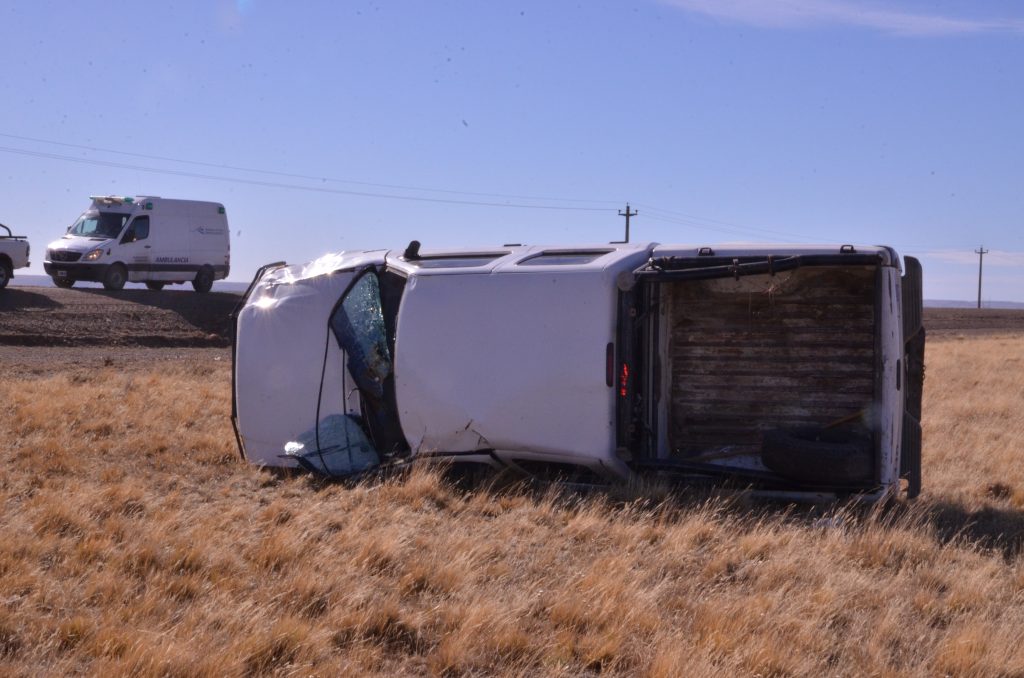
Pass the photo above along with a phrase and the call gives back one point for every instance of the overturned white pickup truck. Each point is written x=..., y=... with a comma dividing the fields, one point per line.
x=793, y=369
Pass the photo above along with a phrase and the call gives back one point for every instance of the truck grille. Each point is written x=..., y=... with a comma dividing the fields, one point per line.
x=64, y=255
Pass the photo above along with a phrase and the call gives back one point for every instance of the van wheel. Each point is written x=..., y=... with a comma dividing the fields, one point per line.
x=155, y=285
x=204, y=280
x=115, y=277
x=64, y=283
x=821, y=456
x=5, y=274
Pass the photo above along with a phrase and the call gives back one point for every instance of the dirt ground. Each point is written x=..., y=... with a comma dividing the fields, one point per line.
x=40, y=316
x=972, y=321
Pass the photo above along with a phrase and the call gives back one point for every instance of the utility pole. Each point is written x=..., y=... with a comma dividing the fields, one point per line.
x=628, y=214
x=981, y=252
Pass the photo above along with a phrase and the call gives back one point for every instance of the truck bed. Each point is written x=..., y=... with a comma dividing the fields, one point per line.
x=745, y=356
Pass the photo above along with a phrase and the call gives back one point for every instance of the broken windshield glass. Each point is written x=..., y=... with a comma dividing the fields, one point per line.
x=358, y=325
x=336, y=447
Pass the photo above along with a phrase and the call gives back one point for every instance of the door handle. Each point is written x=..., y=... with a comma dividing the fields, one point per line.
x=146, y=246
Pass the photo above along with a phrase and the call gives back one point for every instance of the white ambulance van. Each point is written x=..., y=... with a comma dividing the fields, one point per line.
x=147, y=239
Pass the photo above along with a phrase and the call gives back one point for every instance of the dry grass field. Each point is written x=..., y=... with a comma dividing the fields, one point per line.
x=134, y=542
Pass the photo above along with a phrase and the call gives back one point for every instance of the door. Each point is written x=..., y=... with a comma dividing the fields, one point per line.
x=136, y=249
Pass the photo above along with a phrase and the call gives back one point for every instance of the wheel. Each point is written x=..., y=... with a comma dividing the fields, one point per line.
x=815, y=455
x=5, y=274
x=204, y=280
x=115, y=277
x=65, y=283
x=155, y=285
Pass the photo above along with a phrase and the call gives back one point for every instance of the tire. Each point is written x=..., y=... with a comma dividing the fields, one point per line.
x=910, y=445
x=155, y=285
x=5, y=274
x=63, y=283
x=115, y=277
x=204, y=280
x=819, y=456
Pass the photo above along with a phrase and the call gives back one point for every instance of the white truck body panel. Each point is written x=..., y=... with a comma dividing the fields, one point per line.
x=446, y=381
x=889, y=414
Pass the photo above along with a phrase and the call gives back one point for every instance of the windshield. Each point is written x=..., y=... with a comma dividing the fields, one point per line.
x=361, y=326
x=99, y=224
x=358, y=325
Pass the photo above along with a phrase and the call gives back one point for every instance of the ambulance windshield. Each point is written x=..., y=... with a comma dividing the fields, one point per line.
x=97, y=224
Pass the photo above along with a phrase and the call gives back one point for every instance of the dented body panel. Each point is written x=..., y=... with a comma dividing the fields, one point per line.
x=280, y=345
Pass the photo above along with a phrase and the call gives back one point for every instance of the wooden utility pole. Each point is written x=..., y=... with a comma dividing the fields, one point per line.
x=981, y=252
x=628, y=214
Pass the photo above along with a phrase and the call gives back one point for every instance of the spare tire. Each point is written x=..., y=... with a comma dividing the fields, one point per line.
x=819, y=456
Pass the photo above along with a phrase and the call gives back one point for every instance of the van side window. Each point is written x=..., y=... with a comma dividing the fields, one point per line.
x=139, y=230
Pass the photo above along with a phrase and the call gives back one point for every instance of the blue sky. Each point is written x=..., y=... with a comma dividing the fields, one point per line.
x=375, y=123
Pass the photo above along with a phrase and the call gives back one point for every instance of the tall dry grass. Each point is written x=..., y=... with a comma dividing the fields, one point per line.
x=135, y=542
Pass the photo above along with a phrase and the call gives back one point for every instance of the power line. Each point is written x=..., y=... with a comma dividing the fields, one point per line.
x=291, y=175
x=659, y=214
x=694, y=219
x=296, y=187
x=731, y=231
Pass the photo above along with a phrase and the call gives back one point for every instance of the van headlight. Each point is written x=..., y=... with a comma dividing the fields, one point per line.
x=94, y=255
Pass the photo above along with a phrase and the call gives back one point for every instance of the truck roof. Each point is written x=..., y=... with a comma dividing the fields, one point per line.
x=573, y=258
x=599, y=257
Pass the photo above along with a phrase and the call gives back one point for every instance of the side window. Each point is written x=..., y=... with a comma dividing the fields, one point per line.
x=358, y=325
x=139, y=230
x=563, y=258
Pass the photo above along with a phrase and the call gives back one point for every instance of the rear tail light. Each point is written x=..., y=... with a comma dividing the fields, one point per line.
x=623, y=380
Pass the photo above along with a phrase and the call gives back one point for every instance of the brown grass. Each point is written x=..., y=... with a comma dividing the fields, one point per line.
x=135, y=542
